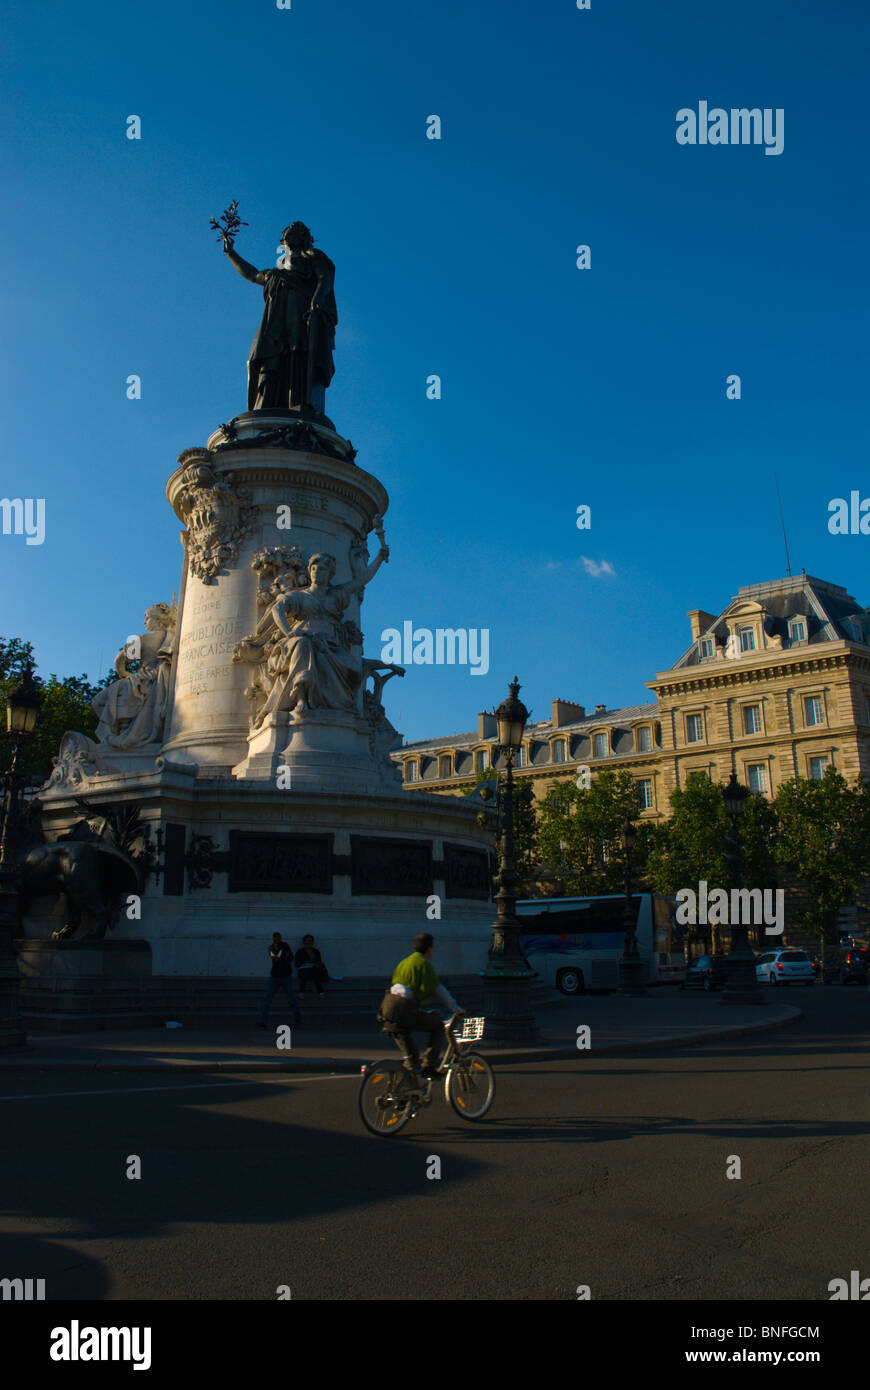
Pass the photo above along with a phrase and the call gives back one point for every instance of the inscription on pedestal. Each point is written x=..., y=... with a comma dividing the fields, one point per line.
x=211, y=636
x=398, y=868
x=280, y=863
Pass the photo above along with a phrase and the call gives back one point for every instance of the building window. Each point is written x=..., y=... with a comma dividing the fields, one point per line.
x=599, y=745
x=752, y=719
x=520, y=756
x=747, y=638
x=706, y=647
x=558, y=750
x=797, y=630
x=757, y=777
x=645, y=793
x=818, y=767
x=445, y=765
x=481, y=760
x=814, y=710
x=412, y=771
x=694, y=728
x=644, y=739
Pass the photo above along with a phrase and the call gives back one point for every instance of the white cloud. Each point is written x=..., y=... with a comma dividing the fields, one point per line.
x=595, y=569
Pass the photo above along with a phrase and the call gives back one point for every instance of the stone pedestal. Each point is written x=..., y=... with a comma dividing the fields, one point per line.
x=243, y=496
x=84, y=985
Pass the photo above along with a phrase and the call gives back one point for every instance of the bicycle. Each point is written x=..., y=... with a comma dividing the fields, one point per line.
x=390, y=1096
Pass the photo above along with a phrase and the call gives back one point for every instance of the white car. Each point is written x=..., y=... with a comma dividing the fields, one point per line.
x=784, y=968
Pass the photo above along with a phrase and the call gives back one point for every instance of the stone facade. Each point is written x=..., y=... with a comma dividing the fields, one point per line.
x=776, y=686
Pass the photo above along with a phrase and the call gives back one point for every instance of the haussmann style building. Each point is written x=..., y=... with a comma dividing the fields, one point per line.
x=776, y=686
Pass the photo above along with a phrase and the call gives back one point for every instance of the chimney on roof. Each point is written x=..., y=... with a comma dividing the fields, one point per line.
x=486, y=725
x=700, y=621
x=566, y=712
x=600, y=709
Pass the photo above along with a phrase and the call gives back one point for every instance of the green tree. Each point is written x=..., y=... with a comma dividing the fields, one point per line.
x=66, y=705
x=580, y=833
x=825, y=842
x=693, y=845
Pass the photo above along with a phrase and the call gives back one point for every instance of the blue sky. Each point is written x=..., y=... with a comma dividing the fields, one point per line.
x=456, y=257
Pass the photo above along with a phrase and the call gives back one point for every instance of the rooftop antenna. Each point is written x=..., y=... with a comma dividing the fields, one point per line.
x=782, y=522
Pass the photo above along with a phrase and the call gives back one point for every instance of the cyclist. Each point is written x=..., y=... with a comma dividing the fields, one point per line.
x=403, y=1010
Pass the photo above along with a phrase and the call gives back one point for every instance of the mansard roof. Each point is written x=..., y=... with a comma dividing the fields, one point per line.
x=539, y=730
x=831, y=615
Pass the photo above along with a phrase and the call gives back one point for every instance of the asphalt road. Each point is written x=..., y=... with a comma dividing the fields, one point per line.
x=608, y=1172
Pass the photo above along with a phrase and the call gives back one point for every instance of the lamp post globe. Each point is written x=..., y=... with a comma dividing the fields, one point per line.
x=507, y=977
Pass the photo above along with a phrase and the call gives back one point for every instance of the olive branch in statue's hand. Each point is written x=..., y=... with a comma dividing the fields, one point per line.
x=229, y=224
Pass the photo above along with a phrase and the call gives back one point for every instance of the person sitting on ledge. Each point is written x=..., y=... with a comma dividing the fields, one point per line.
x=309, y=966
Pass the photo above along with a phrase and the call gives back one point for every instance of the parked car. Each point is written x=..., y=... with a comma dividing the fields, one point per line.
x=784, y=968
x=705, y=972
x=854, y=965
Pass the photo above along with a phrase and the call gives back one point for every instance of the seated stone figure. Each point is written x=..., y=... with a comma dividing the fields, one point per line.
x=132, y=711
x=303, y=650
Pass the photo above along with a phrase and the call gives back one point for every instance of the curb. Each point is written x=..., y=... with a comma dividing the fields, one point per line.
x=552, y=1052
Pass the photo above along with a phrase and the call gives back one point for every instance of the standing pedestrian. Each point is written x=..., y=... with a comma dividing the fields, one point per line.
x=281, y=977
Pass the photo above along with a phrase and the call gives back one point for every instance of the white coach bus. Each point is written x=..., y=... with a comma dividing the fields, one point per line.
x=575, y=944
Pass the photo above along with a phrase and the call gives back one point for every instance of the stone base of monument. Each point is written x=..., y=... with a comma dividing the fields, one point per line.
x=236, y=860
x=318, y=750
x=79, y=986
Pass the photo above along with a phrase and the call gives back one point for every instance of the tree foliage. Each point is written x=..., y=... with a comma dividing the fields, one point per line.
x=824, y=841
x=66, y=705
x=580, y=833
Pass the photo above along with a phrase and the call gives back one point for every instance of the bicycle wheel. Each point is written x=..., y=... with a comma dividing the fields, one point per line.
x=381, y=1108
x=469, y=1086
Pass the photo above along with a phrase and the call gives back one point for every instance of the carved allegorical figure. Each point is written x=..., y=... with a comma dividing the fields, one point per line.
x=132, y=711
x=303, y=649
x=290, y=363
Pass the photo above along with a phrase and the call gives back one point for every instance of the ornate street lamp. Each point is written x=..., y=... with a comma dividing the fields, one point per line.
x=741, y=982
x=507, y=978
x=22, y=709
x=631, y=968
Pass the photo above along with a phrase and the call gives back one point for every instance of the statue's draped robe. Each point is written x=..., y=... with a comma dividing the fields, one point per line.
x=132, y=710
x=311, y=664
x=291, y=343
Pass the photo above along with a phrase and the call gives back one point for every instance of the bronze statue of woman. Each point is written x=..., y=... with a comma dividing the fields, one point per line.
x=290, y=362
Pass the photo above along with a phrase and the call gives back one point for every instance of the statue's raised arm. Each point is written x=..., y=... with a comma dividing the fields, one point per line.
x=290, y=364
x=352, y=586
x=250, y=272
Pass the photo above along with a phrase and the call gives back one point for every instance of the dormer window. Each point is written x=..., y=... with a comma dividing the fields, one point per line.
x=707, y=648
x=558, y=750
x=412, y=770
x=445, y=765
x=746, y=637
x=599, y=745
x=520, y=756
x=797, y=630
x=481, y=760
x=644, y=739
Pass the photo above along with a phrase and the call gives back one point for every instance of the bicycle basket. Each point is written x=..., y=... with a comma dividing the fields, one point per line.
x=472, y=1029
